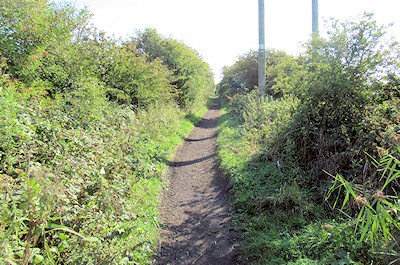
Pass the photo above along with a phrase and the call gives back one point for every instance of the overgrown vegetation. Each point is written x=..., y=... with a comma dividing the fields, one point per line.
x=191, y=76
x=325, y=136
x=86, y=126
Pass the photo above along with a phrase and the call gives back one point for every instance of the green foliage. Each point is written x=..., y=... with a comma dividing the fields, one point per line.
x=264, y=119
x=86, y=125
x=282, y=74
x=191, y=75
x=278, y=208
x=134, y=81
x=268, y=196
x=63, y=58
x=240, y=76
x=80, y=176
x=378, y=214
x=337, y=102
x=333, y=115
x=37, y=40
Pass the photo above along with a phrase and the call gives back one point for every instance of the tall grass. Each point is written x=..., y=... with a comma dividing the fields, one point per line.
x=379, y=207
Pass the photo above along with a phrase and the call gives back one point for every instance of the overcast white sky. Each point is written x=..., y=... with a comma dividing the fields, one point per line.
x=221, y=30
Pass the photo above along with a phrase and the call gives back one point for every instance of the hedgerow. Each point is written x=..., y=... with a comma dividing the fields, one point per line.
x=80, y=175
x=191, y=76
x=86, y=126
x=329, y=139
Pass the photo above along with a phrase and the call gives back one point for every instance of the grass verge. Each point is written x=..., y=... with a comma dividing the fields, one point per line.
x=278, y=211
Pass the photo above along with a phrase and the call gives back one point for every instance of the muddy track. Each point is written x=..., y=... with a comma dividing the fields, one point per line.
x=195, y=211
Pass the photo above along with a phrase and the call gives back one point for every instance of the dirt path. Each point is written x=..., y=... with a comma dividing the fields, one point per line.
x=195, y=213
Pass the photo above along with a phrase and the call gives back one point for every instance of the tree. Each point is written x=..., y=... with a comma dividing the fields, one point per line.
x=241, y=76
x=192, y=76
x=281, y=74
x=34, y=25
x=330, y=128
x=131, y=79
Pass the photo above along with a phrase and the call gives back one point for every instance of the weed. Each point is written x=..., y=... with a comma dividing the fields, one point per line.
x=378, y=210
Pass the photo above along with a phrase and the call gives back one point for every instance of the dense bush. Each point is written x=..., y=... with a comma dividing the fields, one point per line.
x=264, y=120
x=132, y=80
x=80, y=175
x=190, y=74
x=41, y=42
x=86, y=125
x=283, y=73
x=332, y=125
x=240, y=77
x=337, y=109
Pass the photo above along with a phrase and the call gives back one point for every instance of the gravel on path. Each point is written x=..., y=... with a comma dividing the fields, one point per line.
x=195, y=207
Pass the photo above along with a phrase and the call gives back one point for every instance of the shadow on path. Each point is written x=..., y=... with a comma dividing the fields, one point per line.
x=195, y=212
x=186, y=163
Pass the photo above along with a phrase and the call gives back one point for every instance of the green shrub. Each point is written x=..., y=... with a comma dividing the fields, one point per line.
x=283, y=75
x=279, y=212
x=86, y=126
x=39, y=39
x=240, y=77
x=342, y=103
x=330, y=128
x=80, y=175
x=191, y=76
x=134, y=81
x=378, y=209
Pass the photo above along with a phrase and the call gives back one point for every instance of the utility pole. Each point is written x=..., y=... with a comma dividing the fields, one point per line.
x=261, y=51
x=315, y=17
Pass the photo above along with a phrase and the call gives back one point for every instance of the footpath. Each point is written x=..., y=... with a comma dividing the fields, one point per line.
x=195, y=210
